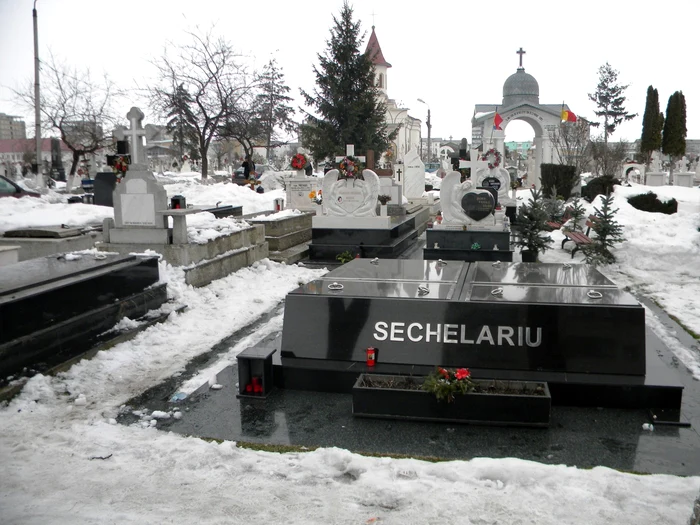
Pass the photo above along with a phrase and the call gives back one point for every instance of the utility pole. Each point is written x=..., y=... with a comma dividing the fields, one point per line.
x=430, y=151
x=428, y=156
x=37, y=102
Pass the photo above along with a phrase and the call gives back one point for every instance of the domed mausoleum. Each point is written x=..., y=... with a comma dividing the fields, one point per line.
x=520, y=87
x=521, y=101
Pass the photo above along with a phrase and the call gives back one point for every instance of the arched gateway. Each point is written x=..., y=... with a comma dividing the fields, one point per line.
x=521, y=101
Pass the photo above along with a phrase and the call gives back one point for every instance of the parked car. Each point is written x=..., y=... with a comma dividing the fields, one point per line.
x=239, y=179
x=9, y=188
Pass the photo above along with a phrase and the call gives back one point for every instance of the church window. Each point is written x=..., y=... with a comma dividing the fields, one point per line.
x=380, y=80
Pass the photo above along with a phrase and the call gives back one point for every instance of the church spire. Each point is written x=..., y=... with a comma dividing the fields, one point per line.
x=375, y=51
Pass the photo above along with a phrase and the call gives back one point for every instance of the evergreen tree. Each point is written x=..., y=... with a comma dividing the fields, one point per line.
x=274, y=111
x=349, y=104
x=577, y=213
x=608, y=233
x=651, y=126
x=178, y=115
x=609, y=99
x=673, y=140
x=531, y=224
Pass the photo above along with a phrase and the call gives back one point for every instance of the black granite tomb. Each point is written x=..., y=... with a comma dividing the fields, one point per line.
x=327, y=243
x=60, y=304
x=564, y=324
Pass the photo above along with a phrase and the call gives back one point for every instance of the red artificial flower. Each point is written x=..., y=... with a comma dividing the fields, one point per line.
x=462, y=373
x=444, y=372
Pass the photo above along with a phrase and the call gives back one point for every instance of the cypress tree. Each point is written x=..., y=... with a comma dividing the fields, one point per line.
x=652, y=126
x=349, y=104
x=674, y=133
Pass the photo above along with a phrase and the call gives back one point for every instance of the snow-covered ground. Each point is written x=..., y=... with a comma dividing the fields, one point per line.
x=65, y=461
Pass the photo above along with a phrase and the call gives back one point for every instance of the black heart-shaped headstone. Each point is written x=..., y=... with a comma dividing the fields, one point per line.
x=478, y=204
x=493, y=192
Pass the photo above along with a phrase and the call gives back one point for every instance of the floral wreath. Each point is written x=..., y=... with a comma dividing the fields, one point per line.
x=299, y=161
x=493, y=157
x=120, y=167
x=350, y=168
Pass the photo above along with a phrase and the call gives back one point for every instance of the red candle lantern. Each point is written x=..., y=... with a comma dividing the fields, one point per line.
x=371, y=356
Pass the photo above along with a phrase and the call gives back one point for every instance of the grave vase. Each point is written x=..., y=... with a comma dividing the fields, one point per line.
x=383, y=210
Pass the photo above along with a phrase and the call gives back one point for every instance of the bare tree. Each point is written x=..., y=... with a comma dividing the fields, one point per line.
x=75, y=105
x=216, y=84
x=607, y=159
x=572, y=144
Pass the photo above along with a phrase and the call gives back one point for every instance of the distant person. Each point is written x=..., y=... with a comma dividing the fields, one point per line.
x=248, y=167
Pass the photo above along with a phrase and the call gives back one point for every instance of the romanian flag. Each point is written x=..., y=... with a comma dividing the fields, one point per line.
x=568, y=116
x=497, y=121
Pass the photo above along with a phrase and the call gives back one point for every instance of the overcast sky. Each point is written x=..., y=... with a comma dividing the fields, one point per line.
x=452, y=55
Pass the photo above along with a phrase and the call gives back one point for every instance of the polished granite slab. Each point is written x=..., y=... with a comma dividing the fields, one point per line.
x=577, y=436
x=448, y=319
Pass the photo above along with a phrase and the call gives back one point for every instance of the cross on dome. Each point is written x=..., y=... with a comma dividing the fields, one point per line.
x=520, y=52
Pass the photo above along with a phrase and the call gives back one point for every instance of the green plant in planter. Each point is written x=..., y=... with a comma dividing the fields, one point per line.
x=345, y=257
x=531, y=225
x=446, y=383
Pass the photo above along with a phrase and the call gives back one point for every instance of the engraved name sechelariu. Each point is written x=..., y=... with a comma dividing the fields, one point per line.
x=457, y=334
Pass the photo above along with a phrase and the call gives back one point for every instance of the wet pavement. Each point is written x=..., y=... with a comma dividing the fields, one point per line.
x=582, y=437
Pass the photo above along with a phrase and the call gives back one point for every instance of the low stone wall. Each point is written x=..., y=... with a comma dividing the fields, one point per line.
x=32, y=248
x=287, y=233
x=206, y=262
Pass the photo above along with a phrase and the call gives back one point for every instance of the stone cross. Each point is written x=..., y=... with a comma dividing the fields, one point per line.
x=475, y=164
x=520, y=52
x=350, y=152
x=134, y=133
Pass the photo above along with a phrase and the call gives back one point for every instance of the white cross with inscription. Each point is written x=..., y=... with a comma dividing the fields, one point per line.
x=134, y=133
x=475, y=164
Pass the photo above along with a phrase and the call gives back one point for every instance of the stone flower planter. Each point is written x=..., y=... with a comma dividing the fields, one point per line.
x=512, y=403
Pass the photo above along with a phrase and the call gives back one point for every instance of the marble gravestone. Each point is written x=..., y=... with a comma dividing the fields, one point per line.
x=453, y=195
x=350, y=202
x=683, y=177
x=298, y=189
x=414, y=175
x=655, y=176
x=472, y=229
x=499, y=180
x=139, y=197
x=136, y=202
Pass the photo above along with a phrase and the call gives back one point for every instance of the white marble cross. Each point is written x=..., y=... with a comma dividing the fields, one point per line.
x=134, y=133
x=475, y=164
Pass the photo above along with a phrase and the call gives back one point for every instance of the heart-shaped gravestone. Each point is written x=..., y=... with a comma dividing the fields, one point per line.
x=350, y=196
x=493, y=192
x=478, y=204
x=491, y=182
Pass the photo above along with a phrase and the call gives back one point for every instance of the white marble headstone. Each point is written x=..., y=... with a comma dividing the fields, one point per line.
x=414, y=175
x=503, y=178
x=298, y=190
x=350, y=197
x=137, y=199
x=452, y=198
